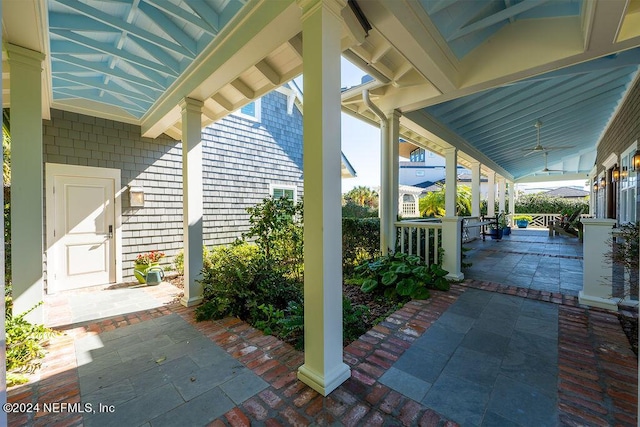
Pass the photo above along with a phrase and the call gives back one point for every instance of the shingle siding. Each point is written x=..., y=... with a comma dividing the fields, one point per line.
x=623, y=131
x=241, y=158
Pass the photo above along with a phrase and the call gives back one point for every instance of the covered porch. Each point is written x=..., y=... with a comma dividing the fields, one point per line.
x=189, y=65
x=408, y=370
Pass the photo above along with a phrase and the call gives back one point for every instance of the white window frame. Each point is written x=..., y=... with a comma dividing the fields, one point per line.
x=258, y=110
x=275, y=186
x=601, y=197
x=628, y=186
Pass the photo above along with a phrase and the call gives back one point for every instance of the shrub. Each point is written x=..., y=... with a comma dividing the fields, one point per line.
x=237, y=279
x=539, y=203
x=276, y=225
x=178, y=261
x=24, y=342
x=360, y=241
x=400, y=275
x=353, y=210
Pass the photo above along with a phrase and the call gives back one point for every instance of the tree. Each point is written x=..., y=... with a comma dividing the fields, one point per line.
x=362, y=196
x=433, y=203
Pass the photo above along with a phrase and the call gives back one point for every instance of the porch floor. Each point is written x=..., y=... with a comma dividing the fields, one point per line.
x=528, y=258
x=483, y=353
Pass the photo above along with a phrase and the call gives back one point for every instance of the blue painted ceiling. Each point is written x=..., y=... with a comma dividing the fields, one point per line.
x=467, y=24
x=574, y=104
x=126, y=53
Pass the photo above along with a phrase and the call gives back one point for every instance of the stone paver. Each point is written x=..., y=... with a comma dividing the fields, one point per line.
x=473, y=369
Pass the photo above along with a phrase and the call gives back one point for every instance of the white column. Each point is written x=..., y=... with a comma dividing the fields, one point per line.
x=393, y=127
x=192, y=189
x=452, y=245
x=512, y=199
x=27, y=220
x=502, y=189
x=597, y=271
x=475, y=189
x=451, y=181
x=323, y=368
x=491, y=194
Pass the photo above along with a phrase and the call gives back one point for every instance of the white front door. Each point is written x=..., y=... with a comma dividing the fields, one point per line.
x=83, y=247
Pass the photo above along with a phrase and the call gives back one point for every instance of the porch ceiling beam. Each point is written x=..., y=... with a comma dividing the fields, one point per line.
x=97, y=84
x=126, y=104
x=205, y=12
x=242, y=87
x=124, y=26
x=73, y=22
x=267, y=71
x=223, y=102
x=296, y=43
x=161, y=55
x=602, y=23
x=169, y=27
x=110, y=50
x=101, y=68
x=178, y=12
x=496, y=17
x=408, y=28
x=261, y=27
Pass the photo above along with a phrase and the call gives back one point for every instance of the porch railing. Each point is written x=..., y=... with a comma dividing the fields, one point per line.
x=422, y=238
x=540, y=220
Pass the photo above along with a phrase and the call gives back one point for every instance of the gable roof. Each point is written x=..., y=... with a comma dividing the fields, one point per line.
x=566, y=192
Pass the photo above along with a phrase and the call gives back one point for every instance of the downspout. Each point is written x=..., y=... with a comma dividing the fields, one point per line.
x=386, y=178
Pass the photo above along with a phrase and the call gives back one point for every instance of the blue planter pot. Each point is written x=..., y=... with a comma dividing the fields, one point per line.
x=506, y=231
x=522, y=223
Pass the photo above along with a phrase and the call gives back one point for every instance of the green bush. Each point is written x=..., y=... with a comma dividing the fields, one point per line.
x=360, y=241
x=353, y=210
x=276, y=226
x=539, y=203
x=178, y=261
x=400, y=275
x=24, y=343
x=237, y=279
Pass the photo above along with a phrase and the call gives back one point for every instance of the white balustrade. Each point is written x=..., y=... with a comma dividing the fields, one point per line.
x=420, y=237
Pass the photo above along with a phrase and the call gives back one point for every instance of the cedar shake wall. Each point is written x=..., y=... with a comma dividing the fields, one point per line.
x=241, y=158
x=622, y=132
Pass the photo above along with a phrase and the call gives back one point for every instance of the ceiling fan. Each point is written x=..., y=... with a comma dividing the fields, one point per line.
x=539, y=148
x=546, y=169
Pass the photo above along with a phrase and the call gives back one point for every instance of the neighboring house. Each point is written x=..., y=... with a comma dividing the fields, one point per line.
x=614, y=178
x=426, y=169
x=251, y=154
x=567, y=193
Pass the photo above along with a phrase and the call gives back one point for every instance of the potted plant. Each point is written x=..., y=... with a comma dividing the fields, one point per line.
x=144, y=262
x=522, y=221
x=502, y=223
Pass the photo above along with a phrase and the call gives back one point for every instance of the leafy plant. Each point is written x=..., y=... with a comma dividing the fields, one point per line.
x=360, y=241
x=352, y=315
x=401, y=275
x=523, y=217
x=268, y=319
x=24, y=342
x=292, y=325
x=276, y=225
x=432, y=205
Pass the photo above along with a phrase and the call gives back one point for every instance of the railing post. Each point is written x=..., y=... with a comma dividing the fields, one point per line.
x=597, y=272
x=452, y=245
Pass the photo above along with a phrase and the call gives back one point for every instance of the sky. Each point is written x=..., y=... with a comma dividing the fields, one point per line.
x=361, y=144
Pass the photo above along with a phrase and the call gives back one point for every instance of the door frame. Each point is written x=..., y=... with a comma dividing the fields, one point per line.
x=56, y=169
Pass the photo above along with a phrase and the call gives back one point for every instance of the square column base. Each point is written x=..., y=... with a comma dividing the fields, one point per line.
x=191, y=301
x=324, y=385
x=592, y=301
x=453, y=277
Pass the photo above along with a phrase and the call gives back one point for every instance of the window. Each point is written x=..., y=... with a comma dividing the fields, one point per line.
x=286, y=191
x=601, y=211
x=251, y=111
x=628, y=186
x=417, y=155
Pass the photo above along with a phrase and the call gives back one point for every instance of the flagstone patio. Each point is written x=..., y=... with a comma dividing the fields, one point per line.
x=483, y=353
